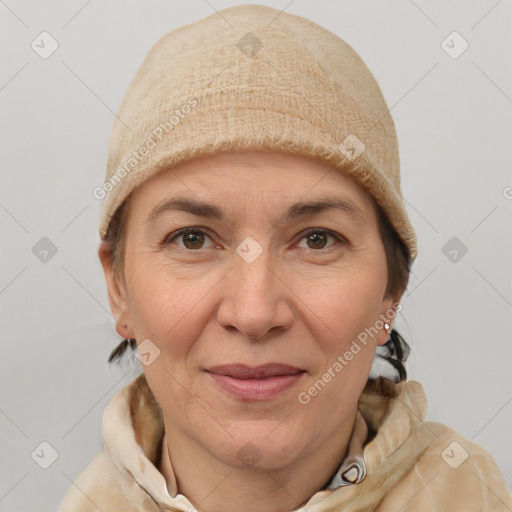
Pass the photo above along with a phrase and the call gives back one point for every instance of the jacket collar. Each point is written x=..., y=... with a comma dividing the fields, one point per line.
x=133, y=434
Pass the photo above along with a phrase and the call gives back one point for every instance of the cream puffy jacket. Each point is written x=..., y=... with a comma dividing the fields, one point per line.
x=410, y=465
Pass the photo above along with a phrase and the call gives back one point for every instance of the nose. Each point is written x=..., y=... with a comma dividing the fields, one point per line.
x=256, y=302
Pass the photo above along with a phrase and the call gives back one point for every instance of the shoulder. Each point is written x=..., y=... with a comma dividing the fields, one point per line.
x=451, y=473
x=102, y=486
x=118, y=476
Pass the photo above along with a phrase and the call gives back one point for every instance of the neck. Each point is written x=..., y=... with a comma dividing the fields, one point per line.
x=211, y=485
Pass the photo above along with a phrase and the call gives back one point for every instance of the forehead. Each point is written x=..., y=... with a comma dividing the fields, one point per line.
x=260, y=174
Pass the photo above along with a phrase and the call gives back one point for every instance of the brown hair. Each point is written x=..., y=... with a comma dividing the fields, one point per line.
x=399, y=265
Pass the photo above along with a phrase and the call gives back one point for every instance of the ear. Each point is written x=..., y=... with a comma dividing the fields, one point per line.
x=117, y=296
x=387, y=314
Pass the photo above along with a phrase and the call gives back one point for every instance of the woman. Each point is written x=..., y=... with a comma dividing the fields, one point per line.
x=255, y=247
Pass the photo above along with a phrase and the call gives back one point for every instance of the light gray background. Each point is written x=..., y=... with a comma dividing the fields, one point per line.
x=454, y=123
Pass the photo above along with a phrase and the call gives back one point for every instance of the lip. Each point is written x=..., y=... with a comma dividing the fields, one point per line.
x=255, y=383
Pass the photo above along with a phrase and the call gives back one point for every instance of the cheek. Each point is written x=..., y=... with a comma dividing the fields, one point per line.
x=169, y=310
x=347, y=304
x=343, y=313
x=172, y=313
x=345, y=345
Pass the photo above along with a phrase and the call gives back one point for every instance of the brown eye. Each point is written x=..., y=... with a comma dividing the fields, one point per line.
x=193, y=239
x=317, y=239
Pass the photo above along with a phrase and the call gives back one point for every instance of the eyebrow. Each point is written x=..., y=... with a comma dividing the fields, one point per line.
x=297, y=210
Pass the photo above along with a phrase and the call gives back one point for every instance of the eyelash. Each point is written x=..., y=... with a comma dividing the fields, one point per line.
x=173, y=236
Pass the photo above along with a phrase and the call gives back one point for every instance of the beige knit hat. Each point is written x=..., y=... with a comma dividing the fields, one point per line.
x=253, y=77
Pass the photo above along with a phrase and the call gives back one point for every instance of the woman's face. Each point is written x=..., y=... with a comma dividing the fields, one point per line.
x=248, y=287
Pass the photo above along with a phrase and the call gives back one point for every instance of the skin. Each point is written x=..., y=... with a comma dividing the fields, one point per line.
x=301, y=302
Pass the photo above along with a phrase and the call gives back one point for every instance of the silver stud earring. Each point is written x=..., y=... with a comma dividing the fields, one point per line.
x=387, y=327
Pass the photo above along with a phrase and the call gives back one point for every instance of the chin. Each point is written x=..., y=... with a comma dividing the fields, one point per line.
x=260, y=447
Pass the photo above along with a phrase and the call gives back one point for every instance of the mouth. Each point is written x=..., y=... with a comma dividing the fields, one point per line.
x=255, y=383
